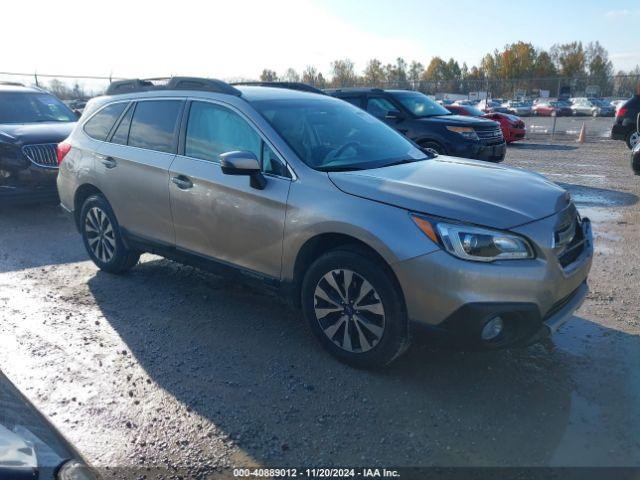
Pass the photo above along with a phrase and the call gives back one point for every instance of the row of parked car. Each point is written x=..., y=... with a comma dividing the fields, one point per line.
x=544, y=107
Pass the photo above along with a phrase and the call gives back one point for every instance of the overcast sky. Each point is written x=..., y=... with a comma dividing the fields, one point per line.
x=239, y=38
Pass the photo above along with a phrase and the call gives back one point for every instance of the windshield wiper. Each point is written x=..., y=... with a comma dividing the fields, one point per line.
x=342, y=168
x=405, y=160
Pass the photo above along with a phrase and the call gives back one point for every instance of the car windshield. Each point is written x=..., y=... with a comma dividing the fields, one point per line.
x=27, y=107
x=420, y=105
x=332, y=135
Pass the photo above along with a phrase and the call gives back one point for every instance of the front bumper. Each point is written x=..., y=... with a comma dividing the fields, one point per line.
x=479, y=151
x=459, y=297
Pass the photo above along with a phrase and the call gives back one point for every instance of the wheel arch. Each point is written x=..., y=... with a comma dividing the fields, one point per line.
x=322, y=243
x=83, y=192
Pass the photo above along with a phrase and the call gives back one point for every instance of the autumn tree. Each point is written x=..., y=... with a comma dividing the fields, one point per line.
x=268, y=76
x=343, y=72
x=415, y=72
x=569, y=58
x=374, y=73
x=291, y=76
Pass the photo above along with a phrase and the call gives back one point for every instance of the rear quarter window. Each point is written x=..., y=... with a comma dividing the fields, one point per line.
x=100, y=124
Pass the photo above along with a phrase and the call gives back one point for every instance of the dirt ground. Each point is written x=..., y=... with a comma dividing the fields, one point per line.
x=174, y=368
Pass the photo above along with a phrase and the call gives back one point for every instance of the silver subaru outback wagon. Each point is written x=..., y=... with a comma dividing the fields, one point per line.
x=303, y=193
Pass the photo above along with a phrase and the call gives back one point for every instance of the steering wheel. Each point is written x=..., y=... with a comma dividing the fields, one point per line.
x=336, y=153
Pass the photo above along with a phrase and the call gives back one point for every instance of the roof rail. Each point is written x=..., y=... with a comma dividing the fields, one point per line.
x=11, y=84
x=303, y=87
x=354, y=89
x=171, y=83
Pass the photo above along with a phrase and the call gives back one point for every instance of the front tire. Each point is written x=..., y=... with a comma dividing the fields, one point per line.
x=355, y=308
x=102, y=237
x=433, y=147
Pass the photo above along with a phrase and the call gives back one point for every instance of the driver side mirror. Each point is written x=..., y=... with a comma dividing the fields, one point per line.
x=394, y=115
x=243, y=163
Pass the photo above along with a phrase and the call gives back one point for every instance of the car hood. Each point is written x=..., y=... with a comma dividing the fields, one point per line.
x=29, y=133
x=458, y=189
x=458, y=120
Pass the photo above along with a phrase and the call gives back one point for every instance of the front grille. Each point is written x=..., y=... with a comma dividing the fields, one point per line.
x=42, y=155
x=490, y=135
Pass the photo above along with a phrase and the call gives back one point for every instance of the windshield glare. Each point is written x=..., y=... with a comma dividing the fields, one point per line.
x=332, y=134
x=420, y=105
x=27, y=107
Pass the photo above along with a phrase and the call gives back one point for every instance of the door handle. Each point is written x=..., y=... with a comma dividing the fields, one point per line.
x=182, y=182
x=109, y=162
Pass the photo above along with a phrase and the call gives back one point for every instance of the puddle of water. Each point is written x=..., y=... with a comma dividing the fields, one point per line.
x=598, y=214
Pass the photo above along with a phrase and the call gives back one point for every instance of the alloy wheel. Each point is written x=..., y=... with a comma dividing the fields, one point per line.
x=634, y=138
x=100, y=234
x=349, y=310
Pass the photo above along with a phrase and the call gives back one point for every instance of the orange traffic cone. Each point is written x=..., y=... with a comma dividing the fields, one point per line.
x=583, y=134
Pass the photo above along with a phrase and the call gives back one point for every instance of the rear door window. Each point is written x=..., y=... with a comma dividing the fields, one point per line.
x=100, y=124
x=155, y=125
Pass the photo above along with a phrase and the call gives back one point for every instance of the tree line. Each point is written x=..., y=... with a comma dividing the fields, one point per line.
x=518, y=66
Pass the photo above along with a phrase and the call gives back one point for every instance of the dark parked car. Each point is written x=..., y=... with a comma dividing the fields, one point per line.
x=626, y=123
x=635, y=159
x=428, y=124
x=32, y=123
x=30, y=447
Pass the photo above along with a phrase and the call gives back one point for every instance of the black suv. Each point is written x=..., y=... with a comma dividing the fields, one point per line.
x=428, y=124
x=626, y=125
x=32, y=123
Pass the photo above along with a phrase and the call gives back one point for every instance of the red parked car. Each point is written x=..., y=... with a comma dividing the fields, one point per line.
x=547, y=109
x=512, y=127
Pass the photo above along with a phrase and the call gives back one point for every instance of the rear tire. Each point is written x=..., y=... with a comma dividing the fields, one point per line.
x=355, y=308
x=102, y=237
x=632, y=139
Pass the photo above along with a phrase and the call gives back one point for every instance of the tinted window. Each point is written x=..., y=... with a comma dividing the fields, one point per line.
x=100, y=124
x=357, y=101
x=121, y=134
x=421, y=105
x=154, y=125
x=213, y=130
x=329, y=134
x=379, y=107
x=24, y=107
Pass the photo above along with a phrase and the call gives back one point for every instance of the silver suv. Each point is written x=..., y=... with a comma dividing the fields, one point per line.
x=312, y=196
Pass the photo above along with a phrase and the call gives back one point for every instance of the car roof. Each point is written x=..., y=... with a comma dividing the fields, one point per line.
x=254, y=93
x=12, y=87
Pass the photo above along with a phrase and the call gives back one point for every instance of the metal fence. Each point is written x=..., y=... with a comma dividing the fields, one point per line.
x=620, y=86
x=65, y=87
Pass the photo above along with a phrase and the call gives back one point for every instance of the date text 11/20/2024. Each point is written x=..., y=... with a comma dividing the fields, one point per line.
x=316, y=472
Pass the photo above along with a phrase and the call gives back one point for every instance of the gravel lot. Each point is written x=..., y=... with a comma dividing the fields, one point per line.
x=173, y=368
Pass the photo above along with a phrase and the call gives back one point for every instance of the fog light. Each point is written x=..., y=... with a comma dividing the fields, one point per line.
x=492, y=328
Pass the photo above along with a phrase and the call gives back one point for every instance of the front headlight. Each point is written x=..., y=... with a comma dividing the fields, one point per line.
x=467, y=132
x=475, y=243
x=76, y=470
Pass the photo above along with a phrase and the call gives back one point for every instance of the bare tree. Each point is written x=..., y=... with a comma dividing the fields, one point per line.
x=268, y=76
